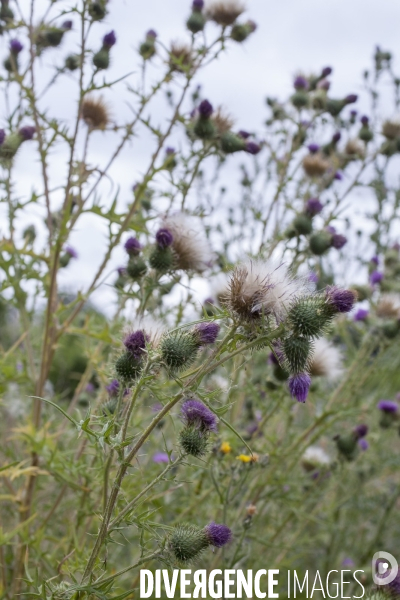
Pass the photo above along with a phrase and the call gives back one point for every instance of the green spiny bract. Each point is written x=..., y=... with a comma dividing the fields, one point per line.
x=204, y=128
x=300, y=99
x=347, y=446
x=11, y=64
x=97, y=10
x=230, y=142
x=136, y=267
x=161, y=259
x=10, y=146
x=193, y=441
x=334, y=107
x=308, y=316
x=6, y=13
x=241, y=31
x=50, y=37
x=187, y=542
x=179, y=350
x=72, y=62
x=297, y=352
x=109, y=407
x=302, y=224
x=320, y=242
x=127, y=367
x=365, y=134
x=196, y=22
x=101, y=59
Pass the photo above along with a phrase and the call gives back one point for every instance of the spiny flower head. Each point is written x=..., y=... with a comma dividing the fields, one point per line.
x=218, y=535
x=206, y=333
x=151, y=34
x=361, y=314
x=15, y=47
x=164, y=238
x=299, y=385
x=388, y=406
x=314, y=206
x=135, y=343
x=109, y=39
x=196, y=414
x=27, y=132
x=375, y=277
x=300, y=83
x=133, y=246
x=71, y=252
x=192, y=251
x=351, y=98
x=95, y=113
x=360, y=431
x=341, y=301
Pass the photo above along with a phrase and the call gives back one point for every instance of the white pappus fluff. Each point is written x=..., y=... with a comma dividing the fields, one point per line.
x=314, y=457
x=326, y=360
x=190, y=244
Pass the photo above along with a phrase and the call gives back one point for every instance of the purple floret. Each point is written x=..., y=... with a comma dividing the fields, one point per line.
x=207, y=333
x=313, y=148
x=364, y=120
x=133, y=246
x=195, y=413
x=361, y=314
x=135, y=343
x=2, y=136
x=253, y=147
x=244, y=134
x=198, y=4
x=121, y=271
x=151, y=34
x=164, y=238
x=375, y=277
x=313, y=206
x=205, y=109
x=27, y=132
x=338, y=241
x=113, y=387
x=361, y=430
x=351, y=98
x=299, y=384
x=15, y=46
x=300, y=83
x=326, y=71
x=388, y=406
x=71, y=251
x=336, y=137
x=338, y=176
x=109, y=39
x=313, y=277
x=218, y=535
x=375, y=260
x=67, y=25
x=341, y=300
x=363, y=444
x=161, y=457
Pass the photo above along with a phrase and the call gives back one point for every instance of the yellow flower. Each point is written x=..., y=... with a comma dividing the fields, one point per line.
x=244, y=458
x=226, y=448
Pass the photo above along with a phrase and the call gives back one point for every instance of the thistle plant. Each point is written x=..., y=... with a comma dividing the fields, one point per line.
x=220, y=387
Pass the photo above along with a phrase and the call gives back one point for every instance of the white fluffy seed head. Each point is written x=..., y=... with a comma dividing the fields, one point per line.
x=258, y=288
x=315, y=457
x=388, y=306
x=326, y=360
x=191, y=247
x=219, y=286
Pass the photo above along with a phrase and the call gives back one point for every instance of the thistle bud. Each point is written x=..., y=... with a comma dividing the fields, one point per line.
x=121, y=279
x=302, y=224
x=308, y=317
x=136, y=267
x=320, y=242
x=161, y=259
x=179, y=350
x=389, y=413
x=6, y=13
x=101, y=59
x=241, y=31
x=72, y=62
x=300, y=99
x=347, y=445
x=97, y=9
x=193, y=442
x=204, y=127
x=127, y=367
x=29, y=234
x=65, y=258
x=147, y=49
x=297, y=351
x=187, y=542
x=196, y=21
x=132, y=246
x=230, y=142
x=334, y=107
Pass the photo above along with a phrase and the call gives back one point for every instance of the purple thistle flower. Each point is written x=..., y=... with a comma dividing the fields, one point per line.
x=375, y=260
x=313, y=206
x=351, y=98
x=341, y=300
x=195, y=413
x=90, y=388
x=244, y=134
x=67, y=25
x=151, y=34
x=170, y=151
x=299, y=384
x=121, y=271
x=71, y=252
x=361, y=314
x=205, y=109
x=206, y=333
x=109, y=39
x=164, y=238
x=336, y=137
x=113, y=387
x=338, y=241
x=313, y=148
x=161, y=457
x=348, y=562
x=353, y=113
x=324, y=84
x=300, y=83
x=363, y=444
x=361, y=430
x=375, y=277
x=252, y=25
x=313, y=277
x=27, y=132
x=209, y=301
x=388, y=406
x=218, y=535
x=364, y=120
x=135, y=343
x=338, y=176
x=2, y=136
x=133, y=246
x=198, y=5
x=15, y=47
x=326, y=71
x=253, y=148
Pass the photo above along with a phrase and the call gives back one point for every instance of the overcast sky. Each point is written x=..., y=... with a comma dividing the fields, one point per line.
x=292, y=35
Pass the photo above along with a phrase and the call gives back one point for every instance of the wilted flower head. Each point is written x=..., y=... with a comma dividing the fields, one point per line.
x=27, y=132
x=181, y=57
x=135, y=343
x=222, y=121
x=299, y=384
x=224, y=12
x=388, y=406
x=375, y=277
x=313, y=206
x=192, y=251
x=326, y=360
x=133, y=246
x=218, y=535
x=315, y=457
x=258, y=288
x=95, y=113
x=15, y=46
x=315, y=165
x=341, y=300
x=109, y=39
x=164, y=238
x=196, y=414
x=389, y=306
x=206, y=333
